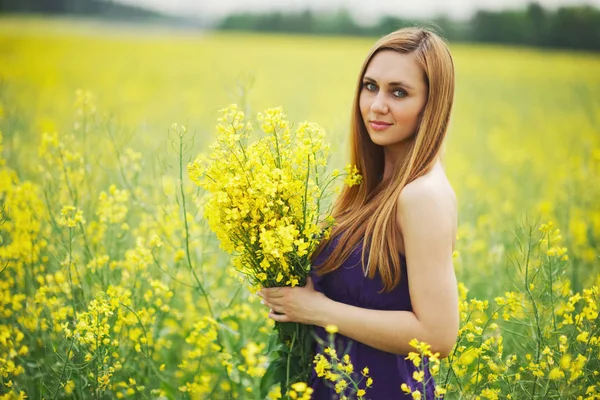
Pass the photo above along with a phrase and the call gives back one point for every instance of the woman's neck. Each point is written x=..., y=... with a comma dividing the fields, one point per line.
x=393, y=155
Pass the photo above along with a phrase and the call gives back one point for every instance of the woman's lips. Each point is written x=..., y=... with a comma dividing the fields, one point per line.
x=378, y=125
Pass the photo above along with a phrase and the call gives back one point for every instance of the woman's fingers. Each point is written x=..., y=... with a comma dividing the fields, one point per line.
x=274, y=307
x=272, y=292
x=309, y=283
x=272, y=298
x=276, y=294
x=279, y=317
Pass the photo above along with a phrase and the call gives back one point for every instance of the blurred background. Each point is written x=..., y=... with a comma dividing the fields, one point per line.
x=93, y=185
x=551, y=23
x=524, y=139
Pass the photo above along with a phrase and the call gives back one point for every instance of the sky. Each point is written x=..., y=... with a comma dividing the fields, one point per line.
x=364, y=10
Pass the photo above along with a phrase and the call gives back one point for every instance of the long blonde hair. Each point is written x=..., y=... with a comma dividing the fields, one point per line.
x=367, y=212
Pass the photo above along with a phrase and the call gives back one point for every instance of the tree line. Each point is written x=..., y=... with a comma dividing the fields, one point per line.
x=103, y=8
x=573, y=27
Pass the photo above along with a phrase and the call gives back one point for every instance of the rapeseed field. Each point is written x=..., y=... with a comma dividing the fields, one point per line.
x=112, y=284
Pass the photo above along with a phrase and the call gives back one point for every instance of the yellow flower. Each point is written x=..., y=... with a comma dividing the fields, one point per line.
x=112, y=206
x=331, y=352
x=556, y=373
x=565, y=361
x=69, y=386
x=341, y=385
x=415, y=358
x=299, y=386
x=292, y=282
x=179, y=255
x=491, y=394
x=261, y=276
x=419, y=376
x=583, y=337
x=439, y=391
x=405, y=388
x=353, y=176
x=333, y=329
x=70, y=216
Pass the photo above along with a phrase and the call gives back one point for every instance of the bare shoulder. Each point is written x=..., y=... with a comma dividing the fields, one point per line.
x=432, y=189
x=428, y=203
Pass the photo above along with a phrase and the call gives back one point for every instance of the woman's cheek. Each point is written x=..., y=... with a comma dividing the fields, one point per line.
x=406, y=117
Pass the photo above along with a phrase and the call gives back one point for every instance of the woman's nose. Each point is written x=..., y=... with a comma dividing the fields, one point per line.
x=379, y=106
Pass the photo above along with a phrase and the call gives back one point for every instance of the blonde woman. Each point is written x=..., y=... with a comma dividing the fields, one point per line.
x=385, y=276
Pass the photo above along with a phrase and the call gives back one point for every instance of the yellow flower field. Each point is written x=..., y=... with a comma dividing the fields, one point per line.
x=112, y=285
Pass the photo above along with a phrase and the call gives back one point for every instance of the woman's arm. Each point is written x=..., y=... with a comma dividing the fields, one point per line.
x=427, y=220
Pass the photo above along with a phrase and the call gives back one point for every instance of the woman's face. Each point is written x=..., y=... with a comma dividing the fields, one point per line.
x=392, y=95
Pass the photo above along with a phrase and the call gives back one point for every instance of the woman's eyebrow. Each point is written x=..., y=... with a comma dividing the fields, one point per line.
x=397, y=83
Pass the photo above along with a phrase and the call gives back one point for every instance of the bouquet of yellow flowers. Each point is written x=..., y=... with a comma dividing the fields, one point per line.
x=266, y=204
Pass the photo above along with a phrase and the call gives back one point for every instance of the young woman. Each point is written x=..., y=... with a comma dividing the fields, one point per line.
x=385, y=276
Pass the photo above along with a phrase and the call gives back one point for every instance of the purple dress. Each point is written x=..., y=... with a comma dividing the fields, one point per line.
x=348, y=284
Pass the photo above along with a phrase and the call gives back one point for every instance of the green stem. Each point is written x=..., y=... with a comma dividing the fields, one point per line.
x=305, y=192
x=535, y=312
x=289, y=358
x=5, y=266
x=479, y=357
x=551, y=285
x=69, y=273
x=96, y=362
x=187, y=251
x=64, y=368
x=275, y=135
x=187, y=231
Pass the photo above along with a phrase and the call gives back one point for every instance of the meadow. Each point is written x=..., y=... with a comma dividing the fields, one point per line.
x=112, y=285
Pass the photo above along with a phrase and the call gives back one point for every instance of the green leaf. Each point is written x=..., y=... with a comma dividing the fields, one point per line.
x=273, y=344
x=274, y=375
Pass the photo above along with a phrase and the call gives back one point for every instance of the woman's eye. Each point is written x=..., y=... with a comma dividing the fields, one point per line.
x=399, y=93
x=371, y=87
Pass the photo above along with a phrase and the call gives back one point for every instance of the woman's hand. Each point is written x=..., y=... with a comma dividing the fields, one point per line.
x=293, y=304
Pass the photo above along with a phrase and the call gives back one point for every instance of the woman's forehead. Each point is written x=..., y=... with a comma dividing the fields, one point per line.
x=392, y=66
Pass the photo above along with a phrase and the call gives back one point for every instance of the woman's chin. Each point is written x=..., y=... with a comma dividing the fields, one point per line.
x=379, y=140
